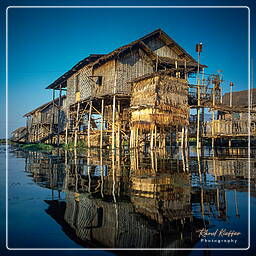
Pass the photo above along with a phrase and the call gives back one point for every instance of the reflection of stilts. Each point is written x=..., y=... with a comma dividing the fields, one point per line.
x=113, y=176
x=202, y=204
x=89, y=170
x=101, y=175
x=237, y=213
x=218, y=201
x=66, y=170
x=183, y=160
x=76, y=171
x=199, y=164
x=226, y=202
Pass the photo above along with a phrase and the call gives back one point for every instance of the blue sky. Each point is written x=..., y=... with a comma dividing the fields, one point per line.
x=45, y=43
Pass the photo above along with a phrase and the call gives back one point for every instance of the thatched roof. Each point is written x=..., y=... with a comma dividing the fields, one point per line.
x=44, y=106
x=99, y=59
x=240, y=98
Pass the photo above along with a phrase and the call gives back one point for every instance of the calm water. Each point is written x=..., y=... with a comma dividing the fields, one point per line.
x=94, y=199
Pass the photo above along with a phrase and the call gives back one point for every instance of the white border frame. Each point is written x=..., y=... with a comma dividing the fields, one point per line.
x=132, y=249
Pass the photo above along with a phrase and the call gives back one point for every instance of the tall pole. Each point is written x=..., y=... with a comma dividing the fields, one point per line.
x=89, y=125
x=114, y=108
x=231, y=104
x=199, y=50
x=58, y=138
x=101, y=124
x=230, y=96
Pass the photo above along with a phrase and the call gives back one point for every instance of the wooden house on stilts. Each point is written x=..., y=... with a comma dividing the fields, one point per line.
x=137, y=93
x=46, y=123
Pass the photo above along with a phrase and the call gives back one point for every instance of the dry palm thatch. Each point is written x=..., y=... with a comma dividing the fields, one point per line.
x=159, y=99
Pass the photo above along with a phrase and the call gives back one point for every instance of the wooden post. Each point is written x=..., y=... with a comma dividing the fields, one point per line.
x=177, y=135
x=101, y=174
x=186, y=137
x=131, y=138
x=102, y=122
x=113, y=122
x=53, y=107
x=182, y=138
x=155, y=135
x=151, y=139
x=67, y=127
x=213, y=129
x=213, y=105
x=118, y=138
x=137, y=138
x=58, y=138
x=89, y=125
x=77, y=124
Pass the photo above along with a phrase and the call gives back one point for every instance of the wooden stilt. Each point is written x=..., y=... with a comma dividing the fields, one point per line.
x=170, y=134
x=137, y=138
x=77, y=123
x=151, y=139
x=182, y=138
x=53, y=110
x=164, y=139
x=101, y=124
x=89, y=126
x=67, y=127
x=177, y=135
x=186, y=137
x=58, y=125
x=113, y=122
x=212, y=129
x=155, y=136
x=118, y=137
x=198, y=129
x=131, y=138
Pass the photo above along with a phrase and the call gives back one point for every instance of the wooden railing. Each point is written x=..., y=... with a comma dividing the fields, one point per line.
x=228, y=128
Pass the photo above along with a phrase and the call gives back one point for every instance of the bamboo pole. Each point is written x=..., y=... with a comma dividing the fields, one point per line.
x=118, y=125
x=151, y=139
x=67, y=126
x=182, y=138
x=186, y=137
x=113, y=122
x=155, y=136
x=213, y=104
x=52, y=124
x=77, y=124
x=101, y=175
x=198, y=105
x=137, y=138
x=102, y=122
x=89, y=126
x=58, y=136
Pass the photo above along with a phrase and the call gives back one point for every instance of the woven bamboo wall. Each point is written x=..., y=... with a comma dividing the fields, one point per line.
x=129, y=66
x=85, y=84
x=107, y=71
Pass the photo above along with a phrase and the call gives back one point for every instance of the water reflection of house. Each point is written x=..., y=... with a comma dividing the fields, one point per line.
x=47, y=171
x=159, y=191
